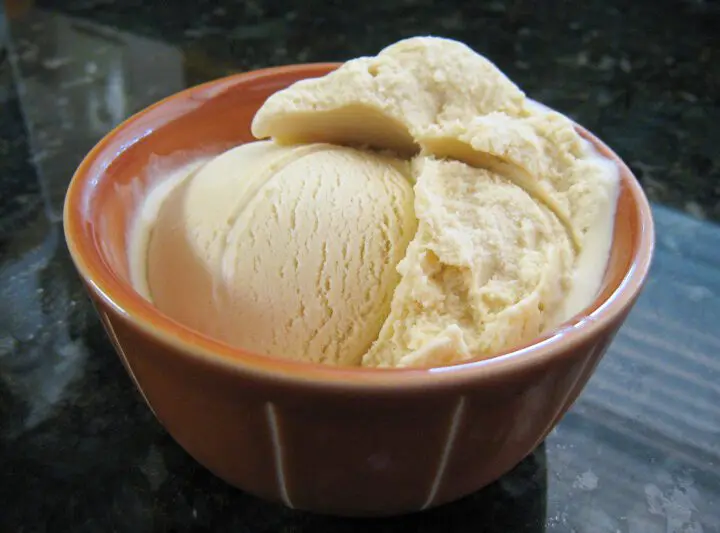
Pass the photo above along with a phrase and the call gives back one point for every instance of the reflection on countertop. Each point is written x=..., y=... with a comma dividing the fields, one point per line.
x=639, y=452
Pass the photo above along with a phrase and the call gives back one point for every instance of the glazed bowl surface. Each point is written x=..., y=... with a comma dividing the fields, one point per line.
x=346, y=441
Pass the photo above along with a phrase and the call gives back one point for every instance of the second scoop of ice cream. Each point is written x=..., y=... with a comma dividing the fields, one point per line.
x=284, y=251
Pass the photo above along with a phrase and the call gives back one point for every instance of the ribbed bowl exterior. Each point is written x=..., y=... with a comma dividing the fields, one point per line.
x=335, y=452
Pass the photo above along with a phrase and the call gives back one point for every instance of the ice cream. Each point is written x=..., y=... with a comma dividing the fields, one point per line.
x=283, y=250
x=410, y=209
x=389, y=100
x=485, y=265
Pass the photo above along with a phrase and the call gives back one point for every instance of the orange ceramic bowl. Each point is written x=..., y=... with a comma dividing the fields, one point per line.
x=345, y=441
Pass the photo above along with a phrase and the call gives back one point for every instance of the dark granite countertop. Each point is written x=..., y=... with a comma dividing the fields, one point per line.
x=639, y=452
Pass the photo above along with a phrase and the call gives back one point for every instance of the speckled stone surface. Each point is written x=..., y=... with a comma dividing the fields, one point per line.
x=639, y=452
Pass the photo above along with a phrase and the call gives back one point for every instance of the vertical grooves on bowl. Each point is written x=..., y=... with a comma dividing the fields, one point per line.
x=119, y=349
x=574, y=388
x=278, y=452
x=447, y=449
x=591, y=361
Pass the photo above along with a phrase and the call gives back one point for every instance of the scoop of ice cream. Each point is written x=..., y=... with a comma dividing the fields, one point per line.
x=284, y=251
x=487, y=269
x=388, y=100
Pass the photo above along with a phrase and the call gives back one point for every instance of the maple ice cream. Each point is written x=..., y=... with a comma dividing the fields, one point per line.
x=408, y=209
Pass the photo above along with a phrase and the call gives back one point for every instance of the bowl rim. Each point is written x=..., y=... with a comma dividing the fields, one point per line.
x=141, y=314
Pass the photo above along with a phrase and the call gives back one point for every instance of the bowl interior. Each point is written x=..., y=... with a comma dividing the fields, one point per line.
x=110, y=184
